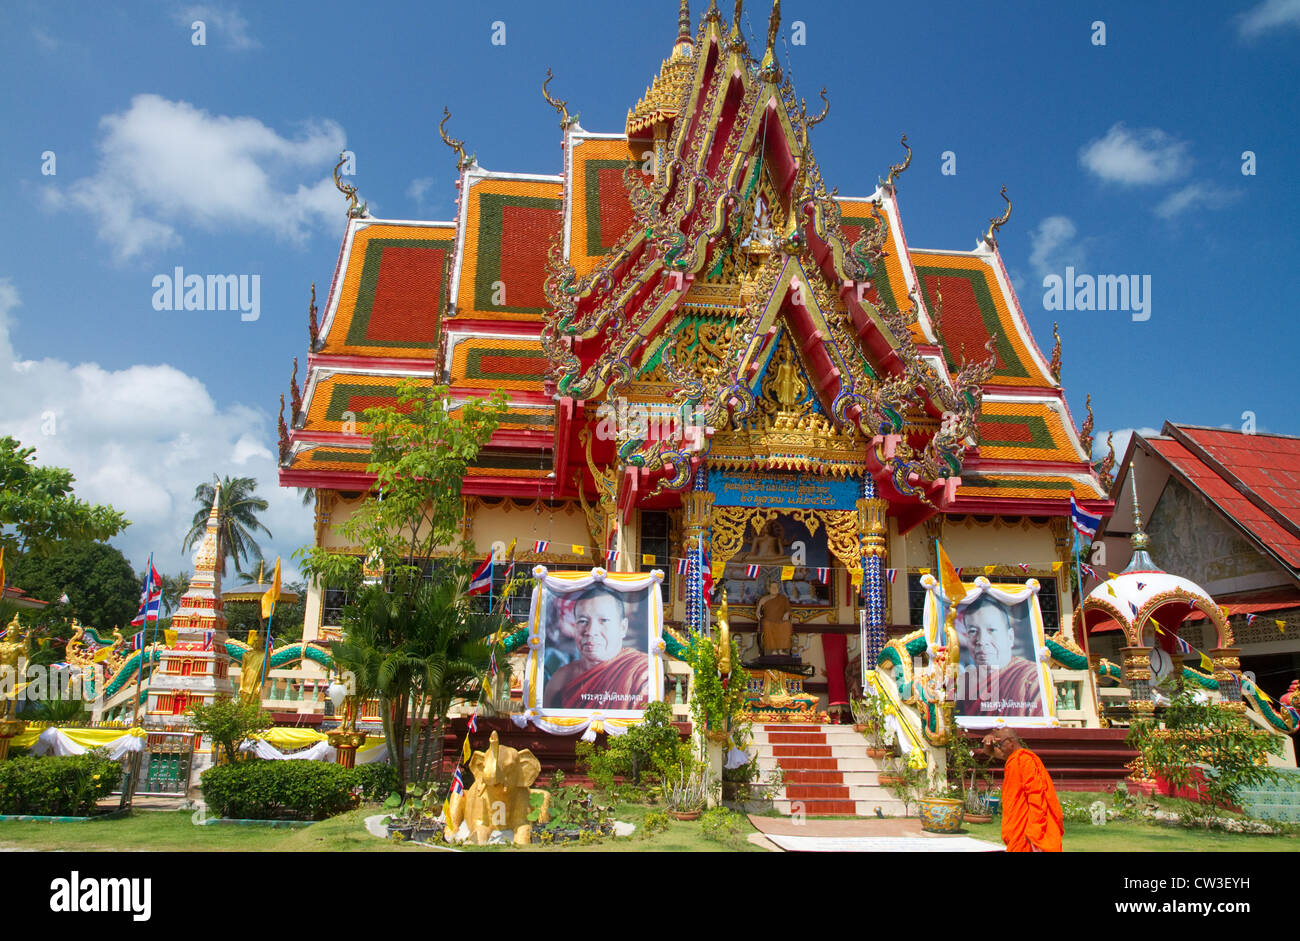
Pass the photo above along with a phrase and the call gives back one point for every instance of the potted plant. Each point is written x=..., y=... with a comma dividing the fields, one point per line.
x=942, y=808
x=686, y=789
x=905, y=781
x=869, y=719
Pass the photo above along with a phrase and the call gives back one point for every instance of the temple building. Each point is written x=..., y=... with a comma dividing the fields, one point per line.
x=718, y=367
x=1224, y=512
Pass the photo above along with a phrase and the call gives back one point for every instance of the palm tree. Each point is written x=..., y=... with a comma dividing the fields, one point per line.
x=236, y=518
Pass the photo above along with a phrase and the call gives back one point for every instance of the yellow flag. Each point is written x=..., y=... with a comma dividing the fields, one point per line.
x=466, y=751
x=953, y=589
x=272, y=594
x=102, y=654
x=1111, y=590
x=647, y=559
x=446, y=810
x=857, y=579
x=170, y=636
x=2, y=569
x=579, y=550
x=925, y=571
x=787, y=573
x=1266, y=696
x=1207, y=663
x=1056, y=566
x=988, y=569
x=718, y=569
x=1281, y=626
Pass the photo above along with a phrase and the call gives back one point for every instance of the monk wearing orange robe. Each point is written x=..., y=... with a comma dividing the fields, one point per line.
x=606, y=674
x=1032, y=821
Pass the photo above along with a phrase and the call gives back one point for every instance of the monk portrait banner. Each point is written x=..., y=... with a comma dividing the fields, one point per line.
x=1001, y=669
x=595, y=642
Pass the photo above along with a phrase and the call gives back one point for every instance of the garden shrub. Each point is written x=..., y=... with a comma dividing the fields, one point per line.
x=649, y=748
x=254, y=789
x=654, y=822
x=66, y=786
x=721, y=825
x=376, y=780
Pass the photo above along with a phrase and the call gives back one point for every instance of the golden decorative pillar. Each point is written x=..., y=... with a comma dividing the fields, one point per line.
x=346, y=743
x=1137, y=677
x=8, y=729
x=874, y=533
x=1227, y=671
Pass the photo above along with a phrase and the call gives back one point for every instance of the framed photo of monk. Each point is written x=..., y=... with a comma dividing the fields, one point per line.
x=1001, y=674
x=594, y=642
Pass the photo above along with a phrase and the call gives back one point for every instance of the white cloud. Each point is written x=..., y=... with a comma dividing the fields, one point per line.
x=142, y=438
x=166, y=164
x=45, y=39
x=1199, y=195
x=1269, y=15
x=1055, y=244
x=221, y=22
x=1136, y=157
x=419, y=188
x=1122, y=436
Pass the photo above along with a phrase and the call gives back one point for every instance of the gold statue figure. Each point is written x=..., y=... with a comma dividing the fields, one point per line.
x=250, y=669
x=13, y=656
x=773, y=611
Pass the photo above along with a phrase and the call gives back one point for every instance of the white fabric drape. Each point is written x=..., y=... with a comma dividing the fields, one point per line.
x=55, y=742
x=321, y=751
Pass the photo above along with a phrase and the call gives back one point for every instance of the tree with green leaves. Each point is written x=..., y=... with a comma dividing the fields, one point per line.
x=229, y=722
x=38, y=512
x=415, y=642
x=102, y=589
x=237, y=520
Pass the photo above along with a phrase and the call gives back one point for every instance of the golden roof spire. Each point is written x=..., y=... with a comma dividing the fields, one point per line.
x=684, y=22
x=771, y=71
x=997, y=222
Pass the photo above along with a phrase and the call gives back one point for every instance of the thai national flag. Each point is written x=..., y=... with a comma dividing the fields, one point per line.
x=611, y=556
x=1086, y=523
x=150, y=597
x=473, y=721
x=1088, y=570
x=682, y=566
x=207, y=640
x=751, y=571
x=137, y=641
x=824, y=575
x=492, y=663
x=1024, y=567
x=1250, y=619
x=1183, y=646
x=891, y=574
x=457, y=782
x=481, y=580
x=540, y=545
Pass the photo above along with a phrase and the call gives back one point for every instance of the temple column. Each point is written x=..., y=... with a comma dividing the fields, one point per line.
x=874, y=532
x=1227, y=671
x=1137, y=677
x=696, y=536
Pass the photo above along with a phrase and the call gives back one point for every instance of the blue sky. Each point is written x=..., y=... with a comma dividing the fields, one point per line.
x=1120, y=159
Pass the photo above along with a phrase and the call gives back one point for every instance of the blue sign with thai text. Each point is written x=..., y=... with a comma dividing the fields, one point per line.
x=787, y=491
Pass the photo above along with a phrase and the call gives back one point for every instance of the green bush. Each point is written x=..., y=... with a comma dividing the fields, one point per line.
x=66, y=786
x=279, y=790
x=376, y=780
x=721, y=825
x=654, y=822
x=649, y=748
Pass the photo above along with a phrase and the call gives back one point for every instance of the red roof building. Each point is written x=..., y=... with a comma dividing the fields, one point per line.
x=1224, y=511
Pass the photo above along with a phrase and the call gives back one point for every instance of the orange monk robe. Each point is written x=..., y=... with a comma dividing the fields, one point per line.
x=1031, y=814
x=622, y=682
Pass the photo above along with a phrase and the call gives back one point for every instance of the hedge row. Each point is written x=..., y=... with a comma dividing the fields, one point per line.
x=292, y=790
x=67, y=786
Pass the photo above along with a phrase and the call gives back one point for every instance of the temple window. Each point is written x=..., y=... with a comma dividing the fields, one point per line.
x=655, y=542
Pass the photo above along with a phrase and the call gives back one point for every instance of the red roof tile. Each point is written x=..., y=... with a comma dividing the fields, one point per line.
x=1243, y=457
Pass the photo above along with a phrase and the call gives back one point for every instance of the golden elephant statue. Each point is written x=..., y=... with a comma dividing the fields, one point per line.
x=500, y=797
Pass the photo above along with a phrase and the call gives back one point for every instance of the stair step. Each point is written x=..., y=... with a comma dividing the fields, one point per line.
x=889, y=808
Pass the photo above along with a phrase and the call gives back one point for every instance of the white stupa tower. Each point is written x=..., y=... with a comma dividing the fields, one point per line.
x=195, y=668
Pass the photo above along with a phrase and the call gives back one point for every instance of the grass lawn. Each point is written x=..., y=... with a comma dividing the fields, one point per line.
x=174, y=831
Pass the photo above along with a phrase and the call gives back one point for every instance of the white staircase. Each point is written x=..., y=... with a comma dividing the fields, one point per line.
x=827, y=771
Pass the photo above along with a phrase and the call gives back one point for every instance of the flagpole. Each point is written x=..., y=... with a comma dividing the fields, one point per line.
x=155, y=623
x=266, y=653
x=139, y=667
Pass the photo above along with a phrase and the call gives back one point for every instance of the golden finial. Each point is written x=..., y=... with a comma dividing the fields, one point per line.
x=1139, y=539
x=771, y=71
x=1108, y=462
x=936, y=319
x=896, y=169
x=713, y=14
x=561, y=107
x=991, y=236
x=1055, y=365
x=826, y=109
x=684, y=22
x=462, y=162
x=347, y=189
x=1085, y=433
